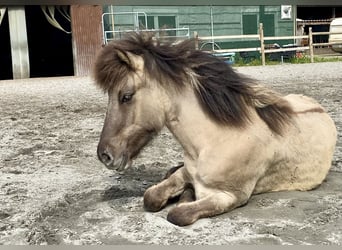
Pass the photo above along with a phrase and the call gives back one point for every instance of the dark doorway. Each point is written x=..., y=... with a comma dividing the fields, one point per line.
x=5, y=54
x=319, y=13
x=50, y=49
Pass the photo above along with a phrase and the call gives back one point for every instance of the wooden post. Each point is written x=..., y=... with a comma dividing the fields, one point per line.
x=196, y=39
x=19, y=45
x=311, y=45
x=86, y=36
x=262, y=45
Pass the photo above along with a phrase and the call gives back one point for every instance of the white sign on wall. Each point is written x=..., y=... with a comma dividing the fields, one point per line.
x=286, y=12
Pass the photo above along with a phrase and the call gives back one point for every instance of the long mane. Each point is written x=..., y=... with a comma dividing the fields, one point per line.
x=226, y=96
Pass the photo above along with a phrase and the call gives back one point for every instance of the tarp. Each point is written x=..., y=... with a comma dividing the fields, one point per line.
x=2, y=14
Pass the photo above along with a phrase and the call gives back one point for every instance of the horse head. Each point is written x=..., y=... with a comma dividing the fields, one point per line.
x=134, y=113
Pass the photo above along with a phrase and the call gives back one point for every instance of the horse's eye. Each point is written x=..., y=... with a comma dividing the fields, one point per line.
x=126, y=98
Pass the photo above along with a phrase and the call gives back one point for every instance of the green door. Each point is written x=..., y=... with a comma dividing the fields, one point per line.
x=250, y=24
x=268, y=22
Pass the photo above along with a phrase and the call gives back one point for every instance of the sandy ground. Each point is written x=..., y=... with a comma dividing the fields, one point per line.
x=53, y=190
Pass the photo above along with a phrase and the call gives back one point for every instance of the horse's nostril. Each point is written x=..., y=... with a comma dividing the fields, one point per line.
x=106, y=158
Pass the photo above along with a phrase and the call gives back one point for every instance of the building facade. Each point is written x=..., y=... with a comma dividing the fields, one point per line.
x=205, y=20
x=63, y=40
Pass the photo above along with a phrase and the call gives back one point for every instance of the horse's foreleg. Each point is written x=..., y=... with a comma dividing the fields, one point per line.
x=172, y=170
x=214, y=204
x=156, y=197
x=189, y=191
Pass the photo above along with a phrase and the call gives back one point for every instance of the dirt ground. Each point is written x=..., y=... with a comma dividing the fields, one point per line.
x=53, y=190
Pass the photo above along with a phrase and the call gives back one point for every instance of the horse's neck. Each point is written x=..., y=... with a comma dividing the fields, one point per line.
x=190, y=125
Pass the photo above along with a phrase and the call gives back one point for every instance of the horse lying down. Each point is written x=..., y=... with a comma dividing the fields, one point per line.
x=239, y=138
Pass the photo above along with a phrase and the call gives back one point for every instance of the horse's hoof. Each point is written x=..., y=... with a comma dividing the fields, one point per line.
x=181, y=216
x=151, y=201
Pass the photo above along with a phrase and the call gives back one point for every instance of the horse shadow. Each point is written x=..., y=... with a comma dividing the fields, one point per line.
x=134, y=181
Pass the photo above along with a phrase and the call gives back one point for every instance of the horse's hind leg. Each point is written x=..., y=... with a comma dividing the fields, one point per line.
x=188, y=194
x=156, y=197
x=187, y=213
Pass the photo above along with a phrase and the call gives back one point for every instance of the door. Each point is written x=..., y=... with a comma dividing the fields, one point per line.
x=268, y=22
x=250, y=24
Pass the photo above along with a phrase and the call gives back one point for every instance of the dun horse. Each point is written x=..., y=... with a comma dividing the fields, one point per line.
x=239, y=138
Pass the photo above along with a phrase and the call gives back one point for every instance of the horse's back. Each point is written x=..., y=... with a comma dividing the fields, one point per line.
x=303, y=155
x=303, y=104
x=311, y=120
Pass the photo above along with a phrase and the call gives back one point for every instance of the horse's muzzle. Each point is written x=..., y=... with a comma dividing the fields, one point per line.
x=107, y=158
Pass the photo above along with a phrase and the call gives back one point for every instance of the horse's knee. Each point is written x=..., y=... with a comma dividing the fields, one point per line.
x=156, y=197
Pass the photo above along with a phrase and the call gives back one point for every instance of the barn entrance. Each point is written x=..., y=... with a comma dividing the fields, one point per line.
x=50, y=49
x=5, y=45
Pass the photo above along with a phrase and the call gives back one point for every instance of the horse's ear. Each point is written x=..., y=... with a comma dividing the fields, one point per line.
x=124, y=58
x=133, y=61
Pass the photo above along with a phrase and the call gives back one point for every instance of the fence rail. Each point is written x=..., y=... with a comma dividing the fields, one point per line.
x=230, y=37
x=179, y=33
x=262, y=49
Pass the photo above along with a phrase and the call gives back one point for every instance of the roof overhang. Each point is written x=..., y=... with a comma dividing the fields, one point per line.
x=175, y=2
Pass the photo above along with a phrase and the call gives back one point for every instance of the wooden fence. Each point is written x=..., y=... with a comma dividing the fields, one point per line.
x=263, y=49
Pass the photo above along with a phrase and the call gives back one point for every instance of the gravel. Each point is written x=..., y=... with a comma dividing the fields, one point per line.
x=55, y=191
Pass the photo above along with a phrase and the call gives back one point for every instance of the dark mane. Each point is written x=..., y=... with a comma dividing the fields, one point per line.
x=226, y=96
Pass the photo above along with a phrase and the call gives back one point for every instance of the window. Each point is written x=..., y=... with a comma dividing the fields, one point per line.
x=160, y=22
